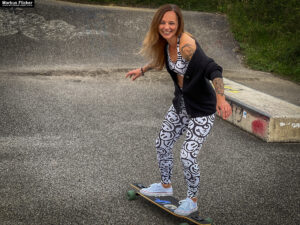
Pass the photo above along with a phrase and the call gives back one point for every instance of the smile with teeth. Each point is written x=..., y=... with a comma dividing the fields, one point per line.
x=167, y=32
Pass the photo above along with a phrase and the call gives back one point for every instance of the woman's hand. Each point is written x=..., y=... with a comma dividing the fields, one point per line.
x=133, y=74
x=223, y=108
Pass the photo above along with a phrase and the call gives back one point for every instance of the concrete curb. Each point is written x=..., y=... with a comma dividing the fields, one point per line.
x=265, y=116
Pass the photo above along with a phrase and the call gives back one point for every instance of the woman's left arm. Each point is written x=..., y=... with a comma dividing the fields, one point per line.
x=223, y=107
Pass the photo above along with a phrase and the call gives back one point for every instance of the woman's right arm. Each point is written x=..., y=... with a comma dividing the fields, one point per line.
x=134, y=74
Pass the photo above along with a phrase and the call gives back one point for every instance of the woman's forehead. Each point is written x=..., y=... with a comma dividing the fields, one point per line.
x=170, y=16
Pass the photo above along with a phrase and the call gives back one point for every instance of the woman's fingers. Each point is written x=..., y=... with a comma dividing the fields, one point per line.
x=133, y=74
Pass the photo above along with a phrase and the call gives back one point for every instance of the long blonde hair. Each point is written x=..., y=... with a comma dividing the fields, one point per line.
x=154, y=44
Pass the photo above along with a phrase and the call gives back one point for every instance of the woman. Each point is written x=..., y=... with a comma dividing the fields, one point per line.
x=194, y=104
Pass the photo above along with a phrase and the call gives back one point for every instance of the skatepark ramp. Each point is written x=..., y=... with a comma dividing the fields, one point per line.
x=60, y=36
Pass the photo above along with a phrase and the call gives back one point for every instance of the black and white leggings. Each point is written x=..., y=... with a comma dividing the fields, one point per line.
x=174, y=125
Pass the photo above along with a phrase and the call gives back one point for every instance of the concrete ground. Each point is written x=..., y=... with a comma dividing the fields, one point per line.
x=70, y=146
x=74, y=132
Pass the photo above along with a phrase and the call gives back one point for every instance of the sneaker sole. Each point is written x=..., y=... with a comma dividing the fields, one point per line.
x=158, y=194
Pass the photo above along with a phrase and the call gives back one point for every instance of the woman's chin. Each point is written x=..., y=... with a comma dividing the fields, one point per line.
x=168, y=37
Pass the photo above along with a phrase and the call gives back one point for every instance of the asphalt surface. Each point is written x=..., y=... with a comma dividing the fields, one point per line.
x=56, y=35
x=70, y=146
x=74, y=134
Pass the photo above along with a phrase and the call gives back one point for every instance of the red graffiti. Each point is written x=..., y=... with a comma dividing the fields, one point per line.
x=259, y=127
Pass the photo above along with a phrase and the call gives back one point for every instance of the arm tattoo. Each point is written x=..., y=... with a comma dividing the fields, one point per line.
x=219, y=86
x=187, y=51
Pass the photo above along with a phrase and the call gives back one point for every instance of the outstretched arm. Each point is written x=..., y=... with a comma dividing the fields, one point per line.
x=223, y=107
x=133, y=74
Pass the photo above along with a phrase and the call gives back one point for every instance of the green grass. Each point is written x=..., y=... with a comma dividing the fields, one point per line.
x=268, y=35
x=267, y=30
x=195, y=5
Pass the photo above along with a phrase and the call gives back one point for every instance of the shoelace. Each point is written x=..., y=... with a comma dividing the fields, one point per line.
x=189, y=204
x=154, y=185
x=182, y=201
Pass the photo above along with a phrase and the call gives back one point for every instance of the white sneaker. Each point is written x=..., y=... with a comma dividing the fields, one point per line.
x=187, y=206
x=157, y=190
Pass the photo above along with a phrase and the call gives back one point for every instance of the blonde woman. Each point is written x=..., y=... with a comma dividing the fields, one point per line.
x=194, y=104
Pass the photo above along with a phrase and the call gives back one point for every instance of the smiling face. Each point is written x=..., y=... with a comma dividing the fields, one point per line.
x=168, y=25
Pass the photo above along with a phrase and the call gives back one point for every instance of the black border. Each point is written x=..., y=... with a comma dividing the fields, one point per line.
x=15, y=3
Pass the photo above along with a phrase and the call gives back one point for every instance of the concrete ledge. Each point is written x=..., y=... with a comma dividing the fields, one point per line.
x=265, y=116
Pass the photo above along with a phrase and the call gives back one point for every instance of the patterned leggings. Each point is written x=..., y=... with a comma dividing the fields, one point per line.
x=174, y=125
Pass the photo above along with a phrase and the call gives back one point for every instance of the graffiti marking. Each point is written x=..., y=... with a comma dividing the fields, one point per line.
x=232, y=90
x=37, y=27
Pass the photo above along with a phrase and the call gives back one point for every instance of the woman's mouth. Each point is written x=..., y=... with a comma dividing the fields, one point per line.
x=166, y=32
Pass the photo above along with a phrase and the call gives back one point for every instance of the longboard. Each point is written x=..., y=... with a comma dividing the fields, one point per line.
x=167, y=203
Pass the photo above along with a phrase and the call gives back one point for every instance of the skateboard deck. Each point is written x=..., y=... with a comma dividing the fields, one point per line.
x=169, y=204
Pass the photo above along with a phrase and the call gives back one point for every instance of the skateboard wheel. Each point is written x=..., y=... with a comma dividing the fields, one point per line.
x=209, y=220
x=131, y=195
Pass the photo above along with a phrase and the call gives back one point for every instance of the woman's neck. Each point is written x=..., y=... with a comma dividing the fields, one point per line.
x=173, y=42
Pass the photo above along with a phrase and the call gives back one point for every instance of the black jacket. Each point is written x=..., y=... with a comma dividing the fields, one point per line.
x=198, y=93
